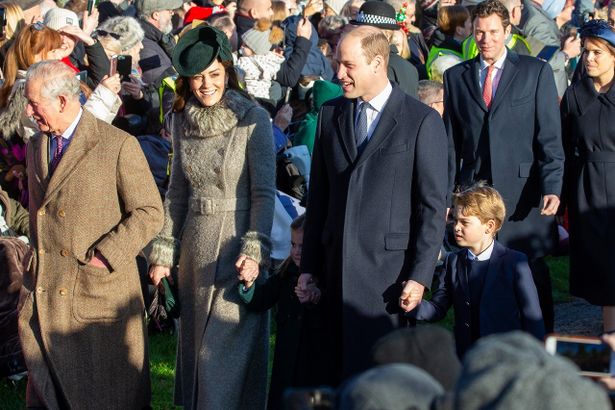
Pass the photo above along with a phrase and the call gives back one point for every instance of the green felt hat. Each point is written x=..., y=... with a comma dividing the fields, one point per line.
x=198, y=48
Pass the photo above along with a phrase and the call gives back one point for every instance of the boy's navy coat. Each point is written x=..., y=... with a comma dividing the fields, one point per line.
x=508, y=302
x=373, y=220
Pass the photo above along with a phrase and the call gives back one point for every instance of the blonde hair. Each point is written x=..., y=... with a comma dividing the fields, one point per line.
x=483, y=202
x=15, y=20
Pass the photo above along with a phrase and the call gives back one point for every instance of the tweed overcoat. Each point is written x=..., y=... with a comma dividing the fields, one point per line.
x=219, y=205
x=81, y=327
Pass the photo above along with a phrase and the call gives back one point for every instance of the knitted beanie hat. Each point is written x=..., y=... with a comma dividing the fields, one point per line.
x=257, y=38
x=57, y=18
x=514, y=371
x=127, y=28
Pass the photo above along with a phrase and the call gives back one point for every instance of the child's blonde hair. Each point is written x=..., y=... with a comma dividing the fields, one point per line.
x=483, y=202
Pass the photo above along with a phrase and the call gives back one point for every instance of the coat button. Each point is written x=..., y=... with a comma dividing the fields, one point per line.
x=41, y=212
x=61, y=213
x=64, y=252
x=188, y=168
x=467, y=324
x=217, y=170
x=220, y=186
x=63, y=292
x=41, y=251
x=221, y=151
x=467, y=303
x=40, y=289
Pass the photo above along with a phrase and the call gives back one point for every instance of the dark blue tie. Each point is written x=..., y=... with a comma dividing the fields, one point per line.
x=361, y=128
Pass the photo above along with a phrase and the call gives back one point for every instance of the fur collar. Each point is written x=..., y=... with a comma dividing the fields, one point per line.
x=203, y=122
x=10, y=116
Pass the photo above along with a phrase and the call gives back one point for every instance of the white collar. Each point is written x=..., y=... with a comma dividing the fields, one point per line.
x=377, y=103
x=484, y=255
x=68, y=133
x=498, y=64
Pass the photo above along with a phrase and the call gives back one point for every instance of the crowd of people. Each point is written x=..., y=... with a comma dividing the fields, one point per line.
x=354, y=166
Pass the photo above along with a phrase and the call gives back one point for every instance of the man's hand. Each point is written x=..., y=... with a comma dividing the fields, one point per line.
x=550, y=204
x=304, y=28
x=157, y=272
x=411, y=295
x=306, y=289
x=572, y=47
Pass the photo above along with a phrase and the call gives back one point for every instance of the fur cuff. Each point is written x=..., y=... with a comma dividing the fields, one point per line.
x=164, y=251
x=258, y=247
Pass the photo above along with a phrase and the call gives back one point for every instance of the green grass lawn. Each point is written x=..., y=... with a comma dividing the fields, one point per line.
x=162, y=352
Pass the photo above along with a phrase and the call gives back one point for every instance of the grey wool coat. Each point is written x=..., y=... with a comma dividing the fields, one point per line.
x=219, y=205
x=81, y=327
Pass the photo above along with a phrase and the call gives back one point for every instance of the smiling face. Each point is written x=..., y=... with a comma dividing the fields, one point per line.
x=208, y=86
x=46, y=112
x=599, y=60
x=296, y=245
x=490, y=35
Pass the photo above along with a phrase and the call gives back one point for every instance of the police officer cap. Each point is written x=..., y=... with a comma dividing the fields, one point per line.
x=198, y=48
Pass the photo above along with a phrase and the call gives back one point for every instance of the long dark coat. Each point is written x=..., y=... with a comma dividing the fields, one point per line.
x=373, y=221
x=81, y=327
x=588, y=122
x=516, y=145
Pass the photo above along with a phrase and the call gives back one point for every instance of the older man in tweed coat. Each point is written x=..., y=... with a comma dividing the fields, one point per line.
x=93, y=207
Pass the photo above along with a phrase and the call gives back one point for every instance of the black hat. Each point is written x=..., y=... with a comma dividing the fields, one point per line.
x=198, y=48
x=377, y=14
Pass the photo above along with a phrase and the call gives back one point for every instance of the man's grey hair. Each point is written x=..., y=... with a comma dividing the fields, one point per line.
x=428, y=90
x=56, y=79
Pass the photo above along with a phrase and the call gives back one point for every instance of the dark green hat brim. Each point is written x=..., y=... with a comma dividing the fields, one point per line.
x=198, y=48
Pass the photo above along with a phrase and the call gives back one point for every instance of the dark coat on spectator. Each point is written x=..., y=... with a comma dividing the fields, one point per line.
x=403, y=73
x=373, y=221
x=588, y=123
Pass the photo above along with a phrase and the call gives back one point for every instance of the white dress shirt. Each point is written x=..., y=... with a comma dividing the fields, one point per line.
x=496, y=74
x=374, y=111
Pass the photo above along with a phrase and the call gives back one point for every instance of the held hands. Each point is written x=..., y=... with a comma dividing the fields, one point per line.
x=157, y=272
x=306, y=289
x=411, y=295
x=247, y=269
x=550, y=205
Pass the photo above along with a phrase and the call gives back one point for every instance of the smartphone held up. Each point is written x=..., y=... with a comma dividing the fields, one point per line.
x=122, y=65
x=594, y=357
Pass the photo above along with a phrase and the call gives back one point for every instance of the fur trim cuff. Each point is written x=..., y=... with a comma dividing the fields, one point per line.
x=258, y=247
x=165, y=250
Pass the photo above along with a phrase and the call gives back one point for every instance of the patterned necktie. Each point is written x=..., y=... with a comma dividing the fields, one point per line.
x=361, y=128
x=57, y=154
x=488, y=87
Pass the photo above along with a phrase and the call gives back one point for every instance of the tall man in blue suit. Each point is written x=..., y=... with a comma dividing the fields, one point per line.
x=502, y=117
x=376, y=208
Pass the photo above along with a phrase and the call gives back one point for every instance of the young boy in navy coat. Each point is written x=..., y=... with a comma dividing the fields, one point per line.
x=489, y=286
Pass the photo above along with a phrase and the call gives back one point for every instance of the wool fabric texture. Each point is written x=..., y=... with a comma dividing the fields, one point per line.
x=257, y=41
x=57, y=18
x=514, y=371
x=198, y=48
x=390, y=387
x=128, y=28
x=147, y=7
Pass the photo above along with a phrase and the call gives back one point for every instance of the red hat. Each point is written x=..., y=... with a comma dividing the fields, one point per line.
x=201, y=13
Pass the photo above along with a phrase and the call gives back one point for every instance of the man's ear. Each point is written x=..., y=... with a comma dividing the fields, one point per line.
x=378, y=63
x=62, y=99
x=156, y=16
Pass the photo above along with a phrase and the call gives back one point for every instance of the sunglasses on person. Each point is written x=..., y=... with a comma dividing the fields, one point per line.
x=105, y=33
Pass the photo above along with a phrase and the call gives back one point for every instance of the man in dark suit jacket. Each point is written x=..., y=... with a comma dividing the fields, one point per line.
x=502, y=117
x=376, y=208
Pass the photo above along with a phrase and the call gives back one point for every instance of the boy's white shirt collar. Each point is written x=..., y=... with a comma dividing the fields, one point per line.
x=484, y=255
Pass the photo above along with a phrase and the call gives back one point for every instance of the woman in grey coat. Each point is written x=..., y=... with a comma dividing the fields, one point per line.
x=219, y=212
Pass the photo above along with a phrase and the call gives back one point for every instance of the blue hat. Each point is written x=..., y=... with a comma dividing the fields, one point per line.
x=598, y=29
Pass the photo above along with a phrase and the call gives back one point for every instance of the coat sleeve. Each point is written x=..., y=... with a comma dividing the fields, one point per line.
x=548, y=141
x=450, y=130
x=316, y=211
x=568, y=144
x=527, y=299
x=441, y=299
x=428, y=196
x=19, y=219
x=103, y=104
x=256, y=243
x=290, y=71
x=98, y=63
x=141, y=205
x=264, y=295
x=165, y=247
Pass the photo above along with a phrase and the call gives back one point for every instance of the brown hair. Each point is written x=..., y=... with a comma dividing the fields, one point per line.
x=183, y=91
x=32, y=41
x=451, y=17
x=374, y=44
x=490, y=7
x=483, y=202
x=601, y=42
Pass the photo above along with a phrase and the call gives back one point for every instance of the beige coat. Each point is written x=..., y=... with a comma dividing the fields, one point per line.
x=82, y=327
x=219, y=204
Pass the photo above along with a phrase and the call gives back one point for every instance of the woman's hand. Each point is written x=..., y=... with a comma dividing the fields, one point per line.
x=113, y=83
x=157, y=272
x=90, y=21
x=247, y=269
x=133, y=88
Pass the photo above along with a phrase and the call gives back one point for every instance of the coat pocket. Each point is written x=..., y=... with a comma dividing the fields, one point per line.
x=100, y=295
x=521, y=101
x=524, y=169
x=396, y=241
x=395, y=149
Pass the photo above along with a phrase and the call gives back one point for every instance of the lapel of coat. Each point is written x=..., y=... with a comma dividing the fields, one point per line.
x=494, y=265
x=508, y=75
x=84, y=139
x=345, y=122
x=462, y=272
x=386, y=124
x=470, y=76
x=39, y=145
